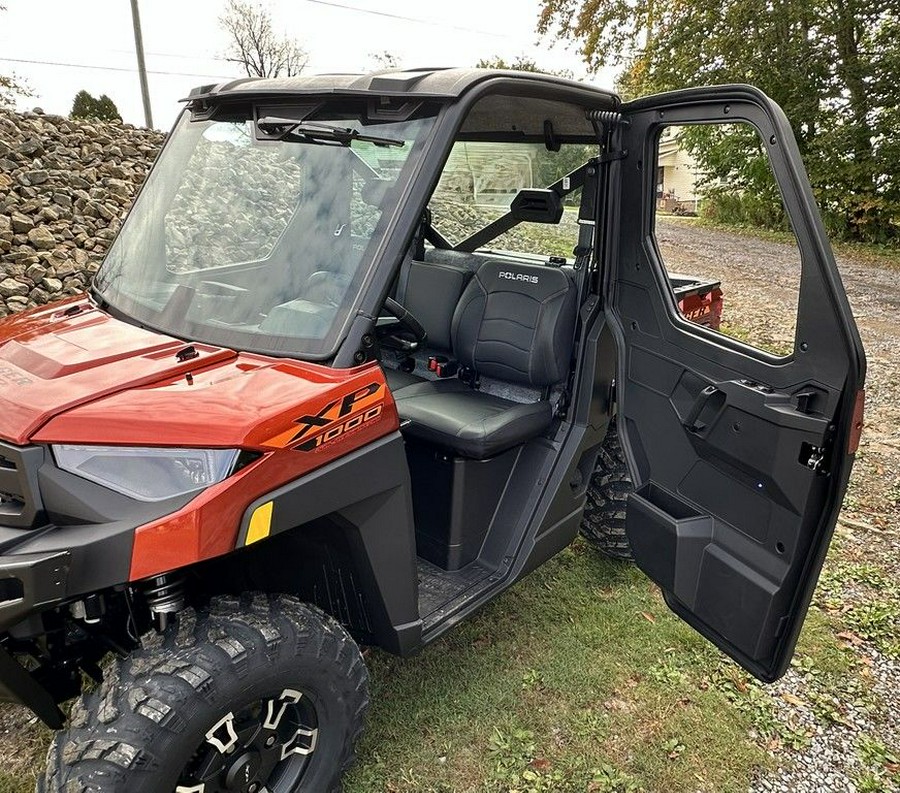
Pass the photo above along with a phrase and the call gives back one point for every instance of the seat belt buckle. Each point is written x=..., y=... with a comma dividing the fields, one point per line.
x=442, y=366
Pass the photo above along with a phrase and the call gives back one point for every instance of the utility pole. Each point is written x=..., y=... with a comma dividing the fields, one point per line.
x=142, y=67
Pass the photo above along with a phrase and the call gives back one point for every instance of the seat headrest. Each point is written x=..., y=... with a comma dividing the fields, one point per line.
x=375, y=191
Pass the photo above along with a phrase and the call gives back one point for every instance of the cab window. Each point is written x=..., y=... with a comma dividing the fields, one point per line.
x=480, y=181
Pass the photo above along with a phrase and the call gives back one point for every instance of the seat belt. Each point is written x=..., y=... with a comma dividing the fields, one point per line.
x=587, y=227
x=416, y=252
x=584, y=252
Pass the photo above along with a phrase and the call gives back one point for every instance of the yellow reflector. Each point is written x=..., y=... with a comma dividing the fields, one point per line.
x=260, y=523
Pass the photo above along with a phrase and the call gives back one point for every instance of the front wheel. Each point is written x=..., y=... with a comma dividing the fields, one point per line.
x=603, y=524
x=254, y=694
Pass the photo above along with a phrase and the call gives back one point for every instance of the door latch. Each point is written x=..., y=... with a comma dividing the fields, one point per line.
x=815, y=458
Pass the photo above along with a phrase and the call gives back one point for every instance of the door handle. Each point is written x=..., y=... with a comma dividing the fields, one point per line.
x=691, y=422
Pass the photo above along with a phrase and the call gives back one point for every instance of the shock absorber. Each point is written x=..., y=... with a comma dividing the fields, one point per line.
x=165, y=596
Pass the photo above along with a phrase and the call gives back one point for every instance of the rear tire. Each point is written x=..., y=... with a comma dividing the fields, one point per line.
x=166, y=715
x=603, y=524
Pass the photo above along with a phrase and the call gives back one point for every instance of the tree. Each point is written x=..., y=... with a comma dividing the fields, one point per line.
x=831, y=64
x=522, y=63
x=383, y=61
x=107, y=110
x=256, y=46
x=85, y=106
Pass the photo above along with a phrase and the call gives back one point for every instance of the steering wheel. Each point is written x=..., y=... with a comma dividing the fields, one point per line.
x=407, y=334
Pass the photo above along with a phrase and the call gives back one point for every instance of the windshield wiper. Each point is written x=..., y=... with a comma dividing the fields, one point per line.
x=315, y=131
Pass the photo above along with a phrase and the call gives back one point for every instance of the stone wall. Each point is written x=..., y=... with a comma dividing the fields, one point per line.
x=64, y=188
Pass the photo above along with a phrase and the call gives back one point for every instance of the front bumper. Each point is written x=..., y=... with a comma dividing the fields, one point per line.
x=29, y=583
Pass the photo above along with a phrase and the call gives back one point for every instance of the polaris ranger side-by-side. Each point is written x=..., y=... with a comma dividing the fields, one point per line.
x=313, y=399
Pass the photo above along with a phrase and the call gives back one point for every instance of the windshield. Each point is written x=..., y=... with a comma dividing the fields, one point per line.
x=260, y=244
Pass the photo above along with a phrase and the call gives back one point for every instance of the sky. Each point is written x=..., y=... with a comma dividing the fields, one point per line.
x=184, y=44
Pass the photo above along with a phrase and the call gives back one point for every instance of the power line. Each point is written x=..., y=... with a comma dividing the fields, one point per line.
x=417, y=20
x=114, y=68
x=170, y=55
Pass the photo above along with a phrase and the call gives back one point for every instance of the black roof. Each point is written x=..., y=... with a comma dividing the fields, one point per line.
x=410, y=83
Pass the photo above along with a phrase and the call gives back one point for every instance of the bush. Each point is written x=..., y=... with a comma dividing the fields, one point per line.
x=744, y=209
x=85, y=106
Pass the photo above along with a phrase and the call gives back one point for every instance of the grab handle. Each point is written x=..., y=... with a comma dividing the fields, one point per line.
x=691, y=422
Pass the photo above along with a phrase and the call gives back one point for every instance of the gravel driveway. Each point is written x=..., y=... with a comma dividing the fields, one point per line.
x=759, y=280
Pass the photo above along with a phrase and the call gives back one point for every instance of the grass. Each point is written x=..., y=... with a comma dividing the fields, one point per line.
x=579, y=679
x=875, y=614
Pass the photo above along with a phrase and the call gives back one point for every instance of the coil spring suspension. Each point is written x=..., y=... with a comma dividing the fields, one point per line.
x=165, y=596
x=608, y=118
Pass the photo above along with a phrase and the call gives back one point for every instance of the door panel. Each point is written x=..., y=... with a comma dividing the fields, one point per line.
x=740, y=456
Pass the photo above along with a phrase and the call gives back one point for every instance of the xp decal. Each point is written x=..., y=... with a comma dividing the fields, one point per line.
x=339, y=417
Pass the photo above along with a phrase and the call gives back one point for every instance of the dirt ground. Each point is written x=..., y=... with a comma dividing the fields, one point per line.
x=859, y=586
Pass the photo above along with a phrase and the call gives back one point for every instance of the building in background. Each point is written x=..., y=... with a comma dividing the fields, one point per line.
x=677, y=176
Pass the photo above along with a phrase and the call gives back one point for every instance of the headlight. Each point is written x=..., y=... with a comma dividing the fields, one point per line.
x=148, y=474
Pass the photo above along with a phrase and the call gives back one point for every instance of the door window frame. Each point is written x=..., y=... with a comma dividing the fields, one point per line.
x=683, y=117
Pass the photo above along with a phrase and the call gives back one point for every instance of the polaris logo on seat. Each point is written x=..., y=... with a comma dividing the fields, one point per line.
x=530, y=279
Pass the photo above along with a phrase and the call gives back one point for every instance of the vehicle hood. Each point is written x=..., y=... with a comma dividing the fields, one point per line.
x=71, y=353
x=72, y=373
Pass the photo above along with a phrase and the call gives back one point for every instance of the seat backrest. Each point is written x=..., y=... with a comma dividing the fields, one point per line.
x=430, y=291
x=327, y=286
x=515, y=322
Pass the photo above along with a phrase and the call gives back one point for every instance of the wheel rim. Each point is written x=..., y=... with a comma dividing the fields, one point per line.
x=266, y=747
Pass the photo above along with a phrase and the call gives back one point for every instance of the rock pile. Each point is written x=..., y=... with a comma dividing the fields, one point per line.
x=64, y=187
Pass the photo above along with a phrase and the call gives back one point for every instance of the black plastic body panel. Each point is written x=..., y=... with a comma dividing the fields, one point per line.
x=18, y=686
x=30, y=582
x=366, y=494
x=20, y=497
x=454, y=501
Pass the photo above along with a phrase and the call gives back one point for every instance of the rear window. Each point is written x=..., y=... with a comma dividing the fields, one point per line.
x=481, y=179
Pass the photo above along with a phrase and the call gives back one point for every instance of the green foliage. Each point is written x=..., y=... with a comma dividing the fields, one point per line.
x=831, y=66
x=881, y=765
x=608, y=779
x=87, y=107
x=879, y=622
x=107, y=110
x=551, y=166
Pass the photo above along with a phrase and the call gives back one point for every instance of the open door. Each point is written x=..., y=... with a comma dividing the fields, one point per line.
x=740, y=437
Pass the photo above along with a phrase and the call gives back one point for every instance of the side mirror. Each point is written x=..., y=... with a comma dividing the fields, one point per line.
x=537, y=206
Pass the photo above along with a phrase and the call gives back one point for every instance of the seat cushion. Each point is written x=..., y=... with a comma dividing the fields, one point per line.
x=430, y=292
x=471, y=423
